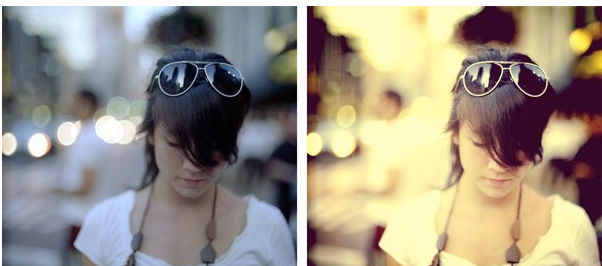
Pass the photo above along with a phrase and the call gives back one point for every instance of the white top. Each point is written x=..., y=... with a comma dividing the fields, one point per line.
x=410, y=237
x=105, y=236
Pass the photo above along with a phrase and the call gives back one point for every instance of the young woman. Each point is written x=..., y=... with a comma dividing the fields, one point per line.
x=197, y=102
x=502, y=102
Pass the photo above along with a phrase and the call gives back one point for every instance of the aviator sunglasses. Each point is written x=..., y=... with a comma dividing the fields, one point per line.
x=176, y=78
x=481, y=78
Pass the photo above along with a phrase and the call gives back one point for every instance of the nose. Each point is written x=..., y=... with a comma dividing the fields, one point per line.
x=495, y=166
x=190, y=166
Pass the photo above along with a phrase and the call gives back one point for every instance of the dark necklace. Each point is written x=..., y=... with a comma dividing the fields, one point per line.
x=512, y=253
x=208, y=254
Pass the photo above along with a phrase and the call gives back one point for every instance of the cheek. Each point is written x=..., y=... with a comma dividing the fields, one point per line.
x=167, y=157
x=472, y=158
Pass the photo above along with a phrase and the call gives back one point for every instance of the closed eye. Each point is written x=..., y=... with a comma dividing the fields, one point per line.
x=477, y=144
x=171, y=143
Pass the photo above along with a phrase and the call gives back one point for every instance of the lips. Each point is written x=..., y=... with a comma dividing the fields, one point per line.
x=192, y=181
x=497, y=182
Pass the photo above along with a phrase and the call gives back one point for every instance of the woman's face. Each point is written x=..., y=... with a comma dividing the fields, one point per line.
x=187, y=179
x=492, y=179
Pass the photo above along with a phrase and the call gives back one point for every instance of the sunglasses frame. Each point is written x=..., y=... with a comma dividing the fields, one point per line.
x=514, y=79
x=196, y=75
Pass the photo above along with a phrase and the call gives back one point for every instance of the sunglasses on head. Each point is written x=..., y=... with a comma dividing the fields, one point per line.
x=177, y=78
x=481, y=78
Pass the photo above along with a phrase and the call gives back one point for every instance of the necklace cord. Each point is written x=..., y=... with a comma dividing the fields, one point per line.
x=512, y=254
x=210, y=232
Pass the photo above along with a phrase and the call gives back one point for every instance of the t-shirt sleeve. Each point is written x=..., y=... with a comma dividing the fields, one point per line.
x=281, y=241
x=586, y=247
x=395, y=240
x=91, y=238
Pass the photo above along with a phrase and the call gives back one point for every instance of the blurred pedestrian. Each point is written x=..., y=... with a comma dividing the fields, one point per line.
x=486, y=216
x=83, y=163
x=282, y=165
x=181, y=215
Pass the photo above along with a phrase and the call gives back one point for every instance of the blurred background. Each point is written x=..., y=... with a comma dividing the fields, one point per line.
x=379, y=83
x=51, y=53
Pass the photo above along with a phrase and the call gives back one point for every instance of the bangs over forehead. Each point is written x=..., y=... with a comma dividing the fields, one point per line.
x=196, y=128
x=503, y=124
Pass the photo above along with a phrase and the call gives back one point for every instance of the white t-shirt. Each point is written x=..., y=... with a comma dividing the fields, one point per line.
x=105, y=236
x=410, y=237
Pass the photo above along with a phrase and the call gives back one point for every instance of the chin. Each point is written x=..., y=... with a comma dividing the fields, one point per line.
x=192, y=193
x=497, y=192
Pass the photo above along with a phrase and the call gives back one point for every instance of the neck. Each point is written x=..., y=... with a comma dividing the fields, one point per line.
x=479, y=201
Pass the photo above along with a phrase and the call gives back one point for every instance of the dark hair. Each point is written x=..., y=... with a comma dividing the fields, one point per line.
x=394, y=96
x=88, y=96
x=201, y=121
x=506, y=121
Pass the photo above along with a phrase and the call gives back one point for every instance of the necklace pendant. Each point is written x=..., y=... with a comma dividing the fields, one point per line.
x=441, y=241
x=208, y=254
x=435, y=260
x=513, y=254
x=131, y=261
x=137, y=241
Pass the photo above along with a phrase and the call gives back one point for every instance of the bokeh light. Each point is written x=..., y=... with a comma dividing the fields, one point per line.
x=284, y=68
x=129, y=132
x=41, y=115
x=346, y=116
x=38, y=145
x=580, y=40
x=9, y=144
x=314, y=144
x=67, y=133
x=118, y=107
x=343, y=143
x=275, y=40
x=137, y=120
x=137, y=108
x=109, y=129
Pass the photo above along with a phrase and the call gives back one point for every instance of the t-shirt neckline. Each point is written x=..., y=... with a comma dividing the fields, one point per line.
x=542, y=240
x=129, y=207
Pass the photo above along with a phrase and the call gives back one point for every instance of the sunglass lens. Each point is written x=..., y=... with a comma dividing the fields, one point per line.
x=224, y=78
x=530, y=78
x=176, y=78
x=481, y=78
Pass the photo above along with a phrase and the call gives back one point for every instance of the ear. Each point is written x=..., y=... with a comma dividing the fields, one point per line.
x=455, y=138
x=150, y=138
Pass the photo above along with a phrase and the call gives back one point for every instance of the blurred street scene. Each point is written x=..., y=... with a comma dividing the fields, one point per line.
x=379, y=83
x=51, y=54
